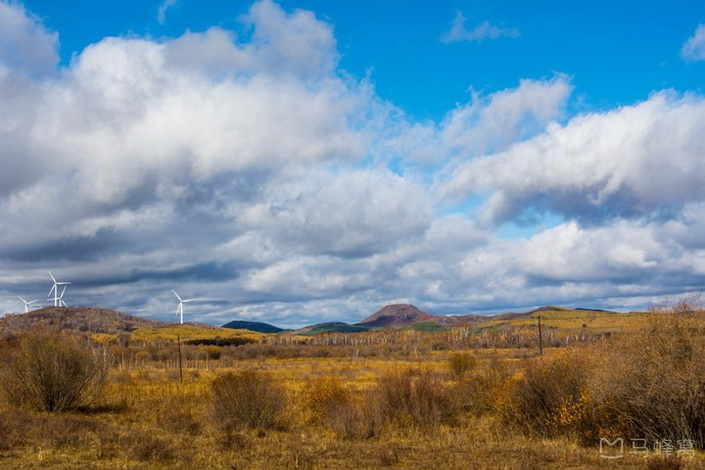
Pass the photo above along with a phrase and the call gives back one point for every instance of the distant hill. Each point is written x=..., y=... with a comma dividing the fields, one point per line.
x=398, y=316
x=331, y=327
x=253, y=326
x=404, y=315
x=83, y=319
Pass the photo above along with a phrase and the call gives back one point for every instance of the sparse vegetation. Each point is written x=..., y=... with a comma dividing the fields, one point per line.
x=395, y=398
x=418, y=397
x=248, y=399
x=461, y=364
x=49, y=372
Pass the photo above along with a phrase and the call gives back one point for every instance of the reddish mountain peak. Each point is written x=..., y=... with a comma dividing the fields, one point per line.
x=398, y=315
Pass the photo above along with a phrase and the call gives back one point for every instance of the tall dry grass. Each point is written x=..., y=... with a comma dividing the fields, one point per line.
x=652, y=384
x=248, y=399
x=52, y=372
x=649, y=384
x=551, y=397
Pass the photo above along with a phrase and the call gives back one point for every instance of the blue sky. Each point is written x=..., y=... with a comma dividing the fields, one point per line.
x=615, y=52
x=306, y=161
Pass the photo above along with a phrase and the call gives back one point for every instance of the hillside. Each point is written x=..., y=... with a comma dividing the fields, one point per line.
x=399, y=316
x=331, y=327
x=83, y=319
x=94, y=320
x=566, y=320
x=259, y=327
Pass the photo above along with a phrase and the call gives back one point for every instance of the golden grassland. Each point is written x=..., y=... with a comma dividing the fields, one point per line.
x=151, y=416
x=151, y=420
x=184, y=332
x=570, y=320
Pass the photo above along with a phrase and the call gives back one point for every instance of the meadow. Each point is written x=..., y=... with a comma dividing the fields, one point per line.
x=475, y=396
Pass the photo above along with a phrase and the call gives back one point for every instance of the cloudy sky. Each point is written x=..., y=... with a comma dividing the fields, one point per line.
x=308, y=161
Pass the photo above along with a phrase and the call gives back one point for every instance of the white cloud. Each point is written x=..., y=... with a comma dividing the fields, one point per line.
x=486, y=124
x=163, y=8
x=694, y=48
x=254, y=171
x=25, y=45
x=296, y=43
x=347, y=214
x=458, y=32
x=569, y=252
x=492, y=124
x=630, y=161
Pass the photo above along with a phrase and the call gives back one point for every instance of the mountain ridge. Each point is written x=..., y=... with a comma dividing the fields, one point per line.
x=392, y=316
x=259, y=327
x=81, y=319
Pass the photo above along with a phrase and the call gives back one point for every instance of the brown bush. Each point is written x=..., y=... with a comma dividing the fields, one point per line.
x=324, y=396
x=417, y=397
x=552, y=397
x=50, y=372
x=652, y=384
x=461, y=364
x=334, y=406
x=248, y=399
x=482, y=389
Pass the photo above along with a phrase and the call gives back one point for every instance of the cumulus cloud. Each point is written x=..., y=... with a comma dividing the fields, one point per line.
x=458, y=32
x=491, y=124
x=255, y=172
x=694, y=48
x=486, y=124
x=633, y=161
x=26, y=46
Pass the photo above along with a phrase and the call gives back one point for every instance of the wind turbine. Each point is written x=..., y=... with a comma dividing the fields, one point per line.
x=61, y=298
x=58, y=302
x=180, y=309
x=26, y=304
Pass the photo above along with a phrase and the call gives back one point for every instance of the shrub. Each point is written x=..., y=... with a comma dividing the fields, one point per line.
x=50, y=372
x=551, y=398
x=418, y=397
x=325, y=396
x=248, y=399
x=334, y=406
x=482, y=389
x=652, y=384
x=461, y=364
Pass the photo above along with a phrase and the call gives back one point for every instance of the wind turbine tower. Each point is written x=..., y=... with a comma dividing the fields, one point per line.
x=180, y=309
x=58, y=302
x=26, y=304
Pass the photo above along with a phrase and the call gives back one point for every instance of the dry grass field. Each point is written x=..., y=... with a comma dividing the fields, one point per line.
x=371, y=400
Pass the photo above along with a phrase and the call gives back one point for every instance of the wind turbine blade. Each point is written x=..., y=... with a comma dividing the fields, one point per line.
x=62, y=283
x=52, y=276
x=177, y=295
x=62, y=293
x=30, y=303
x=189, y=300
x=63, y=303
x=23, y=300
x=52, y=288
